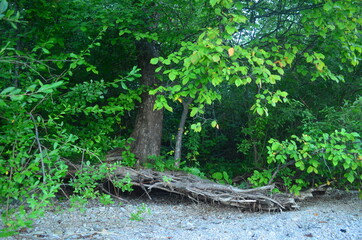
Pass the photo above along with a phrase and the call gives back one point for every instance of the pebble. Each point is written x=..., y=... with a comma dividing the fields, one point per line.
x=173, y=218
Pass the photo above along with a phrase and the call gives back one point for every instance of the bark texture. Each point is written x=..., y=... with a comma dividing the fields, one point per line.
x=180, y=132
x=198, y=189
x=148, y=126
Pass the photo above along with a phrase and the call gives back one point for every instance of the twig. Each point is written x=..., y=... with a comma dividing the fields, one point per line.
x=115, y=196
x=90, y=234
x=65, y=194
x=145, y=190
x=39, y=147
x=278, y=169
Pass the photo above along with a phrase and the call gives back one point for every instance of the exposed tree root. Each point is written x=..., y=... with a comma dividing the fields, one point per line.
x=196, y=188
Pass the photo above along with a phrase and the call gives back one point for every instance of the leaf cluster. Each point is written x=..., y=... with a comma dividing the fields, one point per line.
x=316, y=159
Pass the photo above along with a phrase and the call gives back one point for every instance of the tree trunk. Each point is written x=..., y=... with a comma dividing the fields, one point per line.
x=147, y=132
x=180, y=131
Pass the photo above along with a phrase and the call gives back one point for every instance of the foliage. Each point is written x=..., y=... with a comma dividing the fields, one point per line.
x=228, y=55
x=139, y=214
x=31, y=168
x=194, y=171
x=317, y=159
x=222, y=177
x=33, y=149
x=7, y=14
x=192, y=145
x=41, y=124
x=161, y=163
x=346, y=116
x=87, y=180
x=124, y=184
x=78, y=202
x=255, y=70
x=260, y=178
x=200, y=67
x=88, y=183
x=166, y=179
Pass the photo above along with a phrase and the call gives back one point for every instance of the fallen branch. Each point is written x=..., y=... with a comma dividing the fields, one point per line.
x=198, y=189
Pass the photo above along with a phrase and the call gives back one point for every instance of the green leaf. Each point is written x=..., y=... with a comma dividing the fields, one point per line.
x=17, y=97
x=318, y=22
x=194, y=58
x=219, y=49
x=31, y=88
x=124, y=86
x=217, y=176
x=310, y=169
x=194, y=111
x=213, y=123
x=350, y=176
x=158, y=106
x=46, y=89
x=230, y=29
x=37, y=95
x=238, y=82
x=275, y=146
x=300, y=165
x=328, y=6
x=172, y=76
x=218, y=11
x=196, y=127
x=216, y=58
x=56, y=84
x=154, y=91
x=158, y=69
x=213, y=2
x=167, y=61
x=275, y=99
x=216, y=81
x=225, y=175
x=309, y=59
x=2, y=104
x=260, y=111
x=167, y=107
x=176, y=88
x=154, y=61
x=3, y=6
x=7, y=90
x=283, y=94
x=9, y=13
x=240, y=19
x=49, y=88
x=227, y=3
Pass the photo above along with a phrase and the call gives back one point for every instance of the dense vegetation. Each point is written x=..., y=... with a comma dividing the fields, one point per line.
x=267, y=91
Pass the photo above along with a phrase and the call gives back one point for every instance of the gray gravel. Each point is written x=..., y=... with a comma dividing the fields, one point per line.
x=335, y=215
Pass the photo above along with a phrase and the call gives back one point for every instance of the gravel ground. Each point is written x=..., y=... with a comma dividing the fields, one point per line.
x=335, y=215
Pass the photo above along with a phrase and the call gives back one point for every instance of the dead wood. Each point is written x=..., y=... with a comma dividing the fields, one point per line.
x=198, y=189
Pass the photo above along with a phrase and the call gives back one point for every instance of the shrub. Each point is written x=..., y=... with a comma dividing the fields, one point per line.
x=315, y=159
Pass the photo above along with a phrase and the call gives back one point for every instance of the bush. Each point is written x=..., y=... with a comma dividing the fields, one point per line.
x=33, y=145
x=34, y=141
x=315, y=159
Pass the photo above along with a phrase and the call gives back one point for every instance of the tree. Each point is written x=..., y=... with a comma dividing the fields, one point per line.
x=74, y=73
x=160, y=20
x=147, y=132
x=261, y=43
